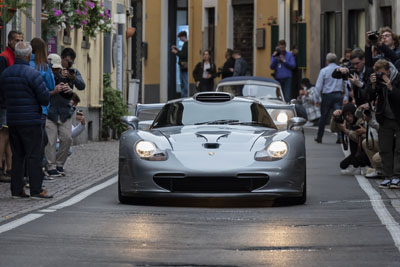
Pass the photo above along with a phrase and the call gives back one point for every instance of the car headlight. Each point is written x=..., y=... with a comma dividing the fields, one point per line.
x=149, y=151
x=281, y=115
x=274, y=151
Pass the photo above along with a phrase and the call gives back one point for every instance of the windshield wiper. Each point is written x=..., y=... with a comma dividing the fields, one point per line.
x=217, y=122
x=250, y=123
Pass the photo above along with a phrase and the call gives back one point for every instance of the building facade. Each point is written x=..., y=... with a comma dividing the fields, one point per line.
x=252, y=26
x=343, y=24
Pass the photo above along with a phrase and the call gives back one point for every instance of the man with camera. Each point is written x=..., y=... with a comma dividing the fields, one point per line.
x=59, y=120
x=357, y=74
x=283, y=63
x=384, y=89
x=387, y=45
x=344, y=121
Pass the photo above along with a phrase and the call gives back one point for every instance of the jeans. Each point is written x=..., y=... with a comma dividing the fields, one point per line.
x=286, y=85
x=184, y=84
x=26, y=142
x=389, y=147
x=332, y=101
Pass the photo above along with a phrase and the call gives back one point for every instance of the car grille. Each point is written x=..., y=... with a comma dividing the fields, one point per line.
x=240, y=184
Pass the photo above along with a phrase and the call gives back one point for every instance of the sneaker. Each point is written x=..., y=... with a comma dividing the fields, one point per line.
x=60, y=170
x=308, y=124
x=22, y=195
x=385, y=184
x=48, y=178
x=42, y=195
x=374, y=174
x=53, y=173
x=318, y=140
x=351, y=171
x=363, y=170
x=395, y=183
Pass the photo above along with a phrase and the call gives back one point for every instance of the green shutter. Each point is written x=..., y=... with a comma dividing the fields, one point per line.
x=302, y=56
x=274, y=37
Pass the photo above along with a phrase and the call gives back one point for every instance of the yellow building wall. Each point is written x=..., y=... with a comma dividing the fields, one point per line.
x=153, y=38
x=195, y=36
x=221, y=41
x=264, y=10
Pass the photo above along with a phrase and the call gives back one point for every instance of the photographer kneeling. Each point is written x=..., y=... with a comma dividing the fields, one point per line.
x=384, y=87
x=344, y=121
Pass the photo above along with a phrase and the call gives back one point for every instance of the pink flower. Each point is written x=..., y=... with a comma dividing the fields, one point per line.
x=102, y=4
x=84, y=21
x=77, y=11
x=83, y=13
x=91, y=5
x=101, y=15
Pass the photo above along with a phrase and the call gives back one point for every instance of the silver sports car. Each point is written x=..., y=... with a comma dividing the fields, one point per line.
x=267, y=91
x=211, y=145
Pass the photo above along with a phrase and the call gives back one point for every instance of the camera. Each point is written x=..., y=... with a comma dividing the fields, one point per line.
x=373, y=36
x=79, y=112
x=339, y=119
x=346, y=76
x=367, y=112
x=278, y=52
x=70, y=70
x=379, y=77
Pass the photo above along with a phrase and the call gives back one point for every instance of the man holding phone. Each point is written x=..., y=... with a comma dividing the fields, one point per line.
x=59, y=120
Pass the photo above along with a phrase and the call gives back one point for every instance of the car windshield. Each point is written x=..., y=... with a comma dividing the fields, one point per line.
x=252, y=90
x=201, y=113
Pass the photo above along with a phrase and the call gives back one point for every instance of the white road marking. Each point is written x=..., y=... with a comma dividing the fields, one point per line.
x=84, y=194
x=379, y=207
x=19, y=222
x=47, y=210
x=381, y=210
x=33, y=216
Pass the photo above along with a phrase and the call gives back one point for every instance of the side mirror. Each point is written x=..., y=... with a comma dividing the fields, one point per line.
x=131, y=121
x=145, y=125
x=294, y=101
x=296, y=123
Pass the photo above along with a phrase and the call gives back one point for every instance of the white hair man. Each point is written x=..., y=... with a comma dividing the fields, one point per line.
x=333, y=93
x=24, y=92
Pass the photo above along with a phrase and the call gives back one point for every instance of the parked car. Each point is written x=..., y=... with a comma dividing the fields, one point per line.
x=267, y=91
x=211, y=145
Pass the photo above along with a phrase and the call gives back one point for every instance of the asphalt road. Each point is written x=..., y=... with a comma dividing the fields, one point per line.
x=336, y=227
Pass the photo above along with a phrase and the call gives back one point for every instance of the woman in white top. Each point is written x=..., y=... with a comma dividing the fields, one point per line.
x=204, y=73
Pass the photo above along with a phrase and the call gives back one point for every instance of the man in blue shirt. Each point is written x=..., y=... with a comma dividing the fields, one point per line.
x=283, y=63
x=331, y=91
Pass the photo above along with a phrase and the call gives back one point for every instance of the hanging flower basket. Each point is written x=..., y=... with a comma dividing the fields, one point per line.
x=130, y=32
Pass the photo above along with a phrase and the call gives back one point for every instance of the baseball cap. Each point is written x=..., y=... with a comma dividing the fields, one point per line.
x=55, y=61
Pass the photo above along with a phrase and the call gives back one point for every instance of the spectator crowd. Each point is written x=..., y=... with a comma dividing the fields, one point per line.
x=361, y=95
x=37, y=102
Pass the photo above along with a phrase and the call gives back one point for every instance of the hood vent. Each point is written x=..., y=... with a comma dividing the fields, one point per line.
x=211, y=145
x=213, y=97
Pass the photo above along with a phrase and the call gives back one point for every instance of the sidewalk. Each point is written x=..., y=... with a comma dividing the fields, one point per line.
x=88, y=164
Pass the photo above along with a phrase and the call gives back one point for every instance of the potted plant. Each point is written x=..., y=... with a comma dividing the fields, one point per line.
x=10, y=7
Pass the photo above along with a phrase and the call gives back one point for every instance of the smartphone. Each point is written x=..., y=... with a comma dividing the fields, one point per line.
x=79, y=112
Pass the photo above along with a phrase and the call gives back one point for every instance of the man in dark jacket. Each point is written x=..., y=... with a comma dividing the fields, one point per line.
x=384, y=87
x=24, y=92
x=183, y=62
x=241, y=66
x=359, y=78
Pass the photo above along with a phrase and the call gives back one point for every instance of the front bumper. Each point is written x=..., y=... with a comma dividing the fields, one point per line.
x=286, y=178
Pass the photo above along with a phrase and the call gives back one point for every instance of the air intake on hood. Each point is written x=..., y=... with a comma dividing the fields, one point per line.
x=213, y=97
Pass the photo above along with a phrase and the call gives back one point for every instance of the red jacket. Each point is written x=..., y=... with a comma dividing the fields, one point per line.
x=9, y=55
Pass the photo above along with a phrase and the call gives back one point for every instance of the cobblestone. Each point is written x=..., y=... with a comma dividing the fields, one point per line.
x=89, y=163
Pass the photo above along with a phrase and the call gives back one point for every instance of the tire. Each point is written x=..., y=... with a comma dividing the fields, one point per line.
x=122, y=199
x=301, y=200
